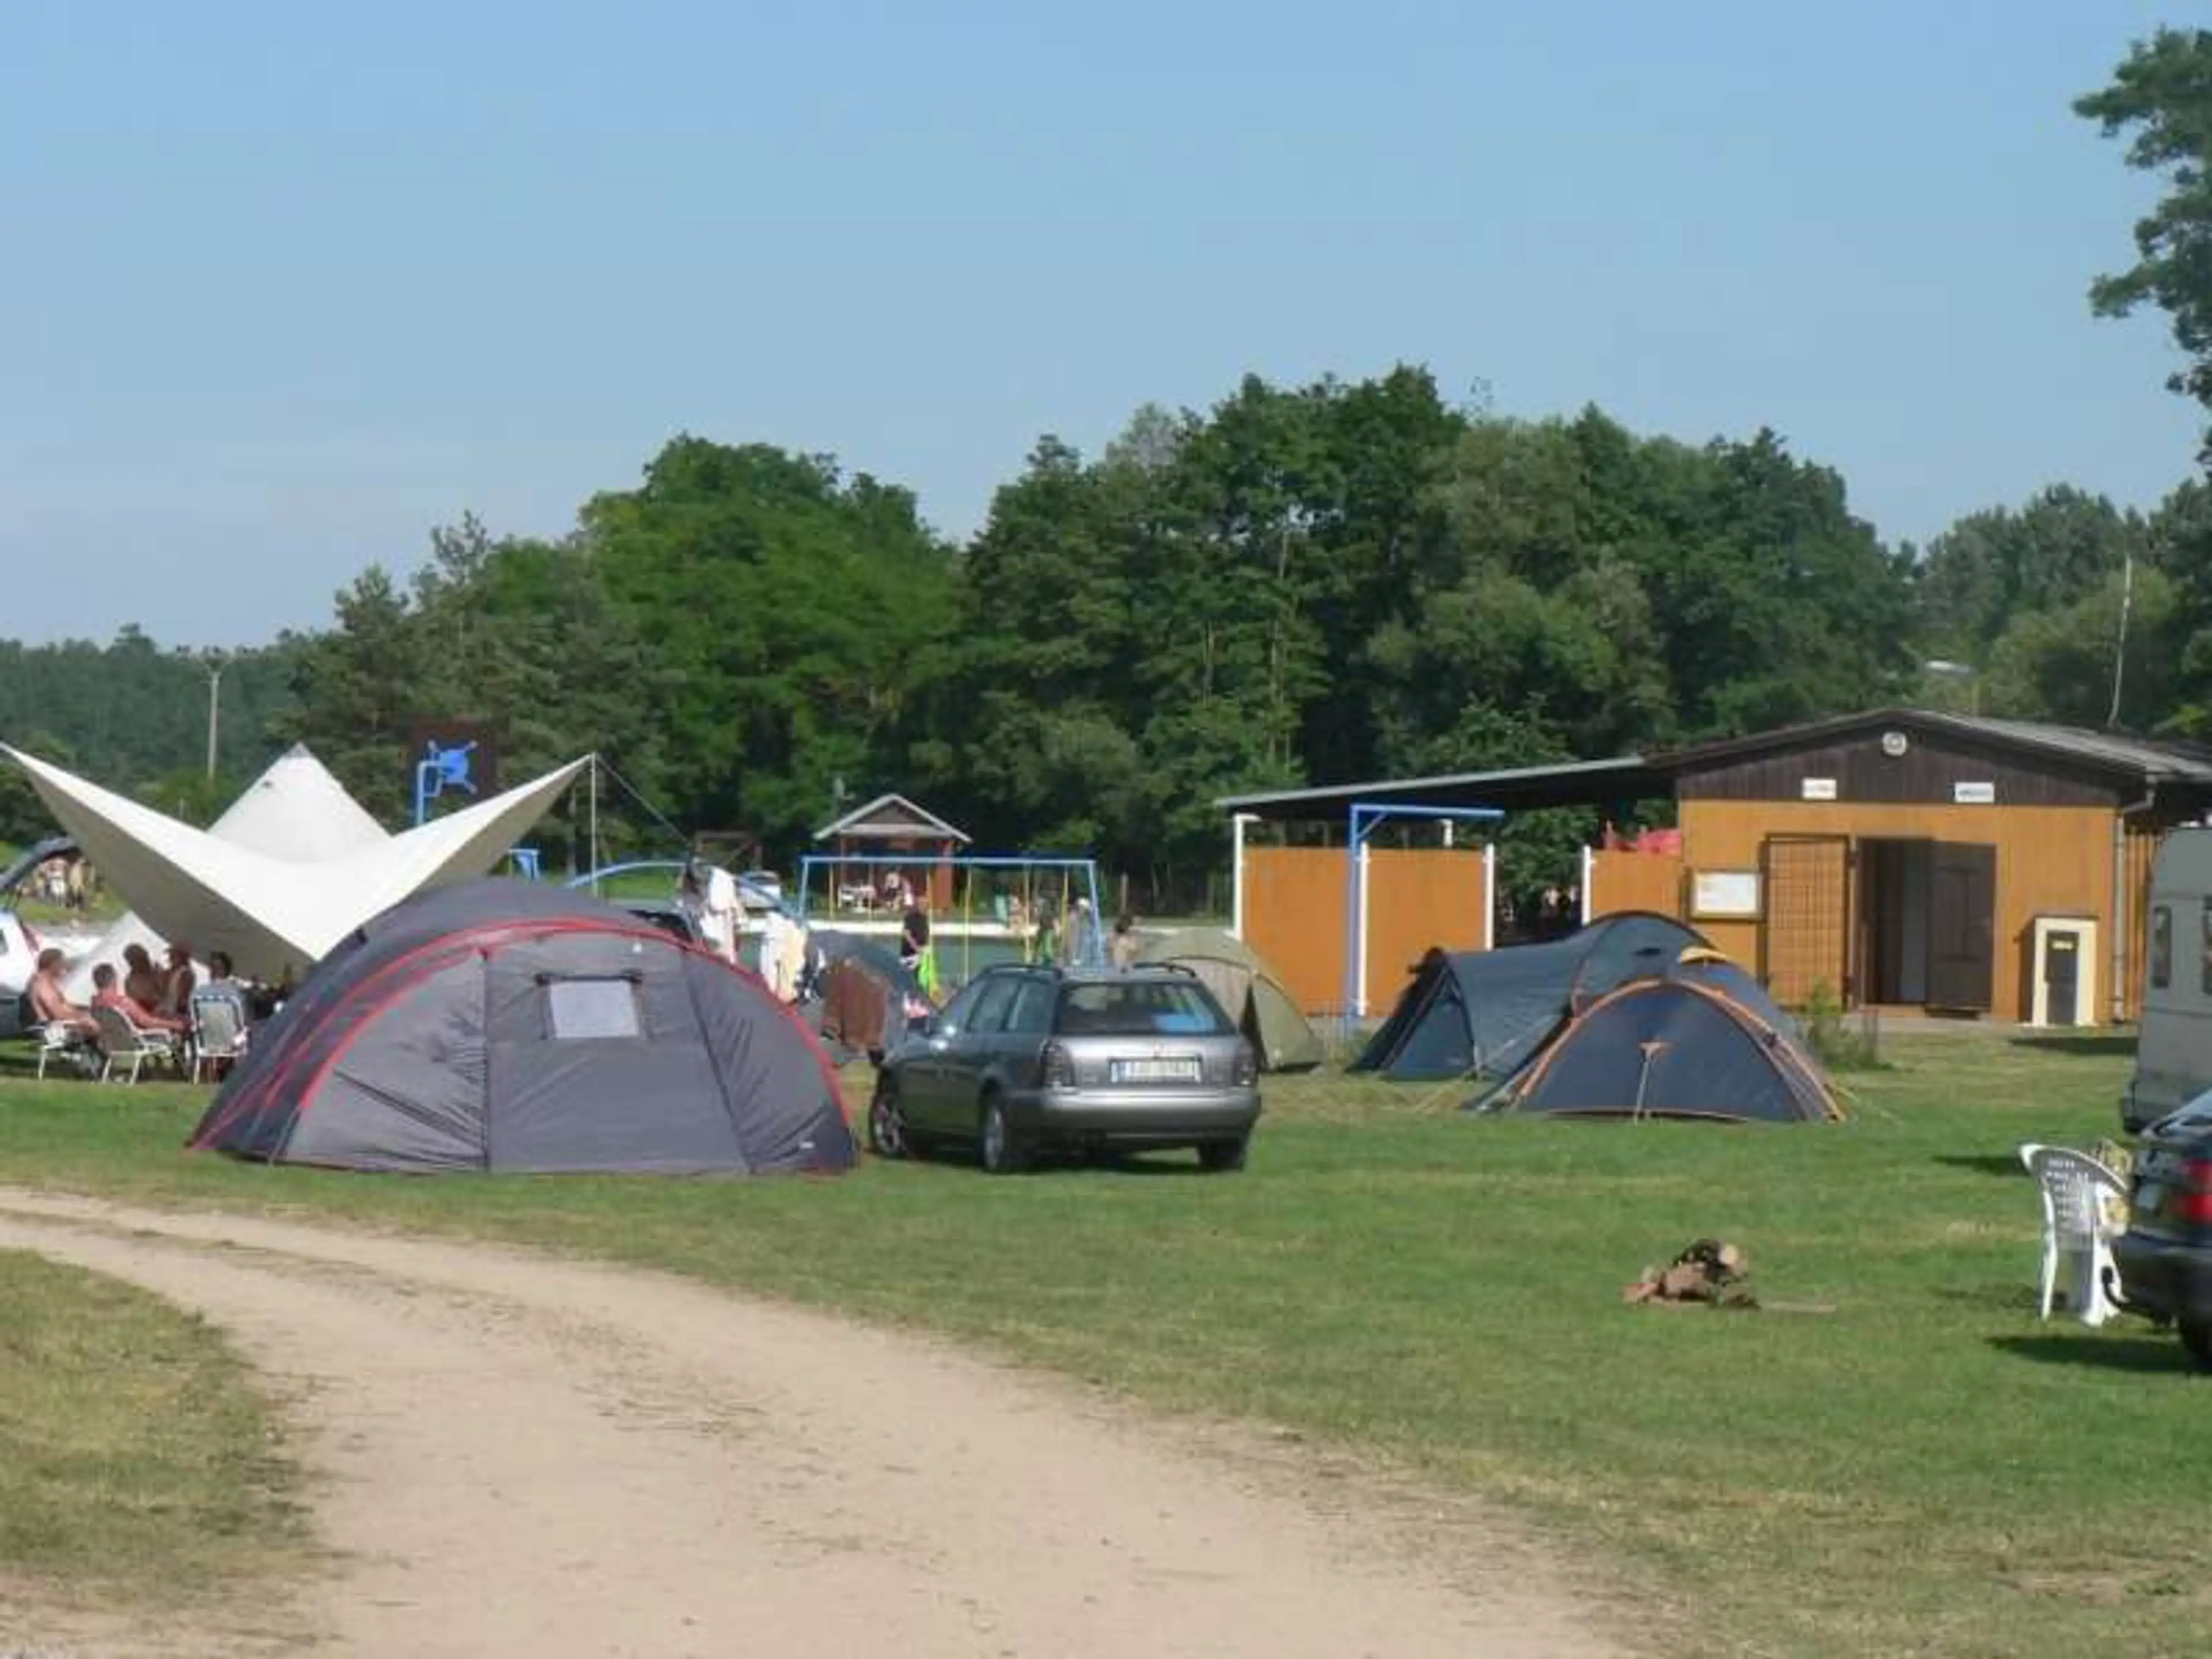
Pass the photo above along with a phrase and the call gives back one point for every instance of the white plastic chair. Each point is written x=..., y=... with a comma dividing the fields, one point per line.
x=2085, y=1206
x=59, y=1038
x=218, y=1033
x=123, y=1043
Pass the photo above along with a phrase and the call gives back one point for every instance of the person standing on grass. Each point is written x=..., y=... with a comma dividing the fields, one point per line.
x=709, y=897
x=1122, y=949
x=1079, y=949
x=916, y=955
x=178, y=981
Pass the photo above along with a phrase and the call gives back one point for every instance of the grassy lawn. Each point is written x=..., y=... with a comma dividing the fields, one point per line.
x=1894, y=1456
x=137, y=1461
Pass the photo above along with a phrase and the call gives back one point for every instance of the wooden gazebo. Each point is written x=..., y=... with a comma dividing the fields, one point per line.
x=887, y=828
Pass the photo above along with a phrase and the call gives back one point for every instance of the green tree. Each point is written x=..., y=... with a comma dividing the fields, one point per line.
x=2065, y=664
x=786, y=609
x=359, y=689
x=2161, y=97
x=1993, y=567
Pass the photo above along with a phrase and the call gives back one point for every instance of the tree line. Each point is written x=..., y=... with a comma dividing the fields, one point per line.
x=1300, y=584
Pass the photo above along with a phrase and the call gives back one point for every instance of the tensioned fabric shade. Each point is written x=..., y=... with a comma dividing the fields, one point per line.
x=270, y=914
x=295, y=811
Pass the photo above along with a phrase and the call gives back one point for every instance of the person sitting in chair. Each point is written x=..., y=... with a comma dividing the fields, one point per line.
x=106, y=993
x=49, y=1004
x=223, y=986
x=141, y=980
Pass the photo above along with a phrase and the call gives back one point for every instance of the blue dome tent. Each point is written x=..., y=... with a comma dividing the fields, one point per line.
x=1487, y=1013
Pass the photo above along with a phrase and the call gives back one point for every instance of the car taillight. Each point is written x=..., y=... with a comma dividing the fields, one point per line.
x=1247, y=1065
x=2194, y=1205
x=1058, y=1067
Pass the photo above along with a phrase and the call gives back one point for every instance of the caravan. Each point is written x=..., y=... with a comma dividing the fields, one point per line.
x=2173, y=1051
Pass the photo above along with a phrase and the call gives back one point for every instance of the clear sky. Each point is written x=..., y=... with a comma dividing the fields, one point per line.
x=283, y=285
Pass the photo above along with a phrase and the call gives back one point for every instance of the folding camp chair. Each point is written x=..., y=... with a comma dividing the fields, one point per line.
x=2084, y=1208
x=123, y=1043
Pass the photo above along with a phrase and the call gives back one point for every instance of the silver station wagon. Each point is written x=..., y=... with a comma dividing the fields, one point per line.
x=1027, y=1061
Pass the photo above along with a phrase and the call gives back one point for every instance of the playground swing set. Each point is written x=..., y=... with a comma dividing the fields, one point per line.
x=1020, y=905
x=1013, y=880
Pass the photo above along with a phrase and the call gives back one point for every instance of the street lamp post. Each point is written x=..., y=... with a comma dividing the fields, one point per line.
x=213, y=663
x=1962, y=670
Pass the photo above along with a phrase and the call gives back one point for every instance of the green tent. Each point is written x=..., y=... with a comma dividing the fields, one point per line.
x=1248, y=988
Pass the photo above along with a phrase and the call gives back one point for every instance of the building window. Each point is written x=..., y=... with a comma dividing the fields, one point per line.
x=2161, y=948
x=577, y=1009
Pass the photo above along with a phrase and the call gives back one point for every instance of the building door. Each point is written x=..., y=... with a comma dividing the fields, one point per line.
x=1962, y=903
x=1804, y=938
x=1892, y=954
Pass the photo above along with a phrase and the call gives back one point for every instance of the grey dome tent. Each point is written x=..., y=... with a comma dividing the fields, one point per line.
x=1701, y=1041
x=1248, y=988
x=1489, y=1013
x=505, y=1025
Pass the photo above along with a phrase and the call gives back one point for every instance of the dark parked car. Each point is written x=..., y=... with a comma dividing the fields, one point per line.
x=2165, y=1257
x=1028, y=1060
x=666, y=917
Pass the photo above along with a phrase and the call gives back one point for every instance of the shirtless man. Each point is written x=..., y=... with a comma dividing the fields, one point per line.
x=49, y=1004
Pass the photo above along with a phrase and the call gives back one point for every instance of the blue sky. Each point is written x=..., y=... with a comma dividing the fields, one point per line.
x=286, y=285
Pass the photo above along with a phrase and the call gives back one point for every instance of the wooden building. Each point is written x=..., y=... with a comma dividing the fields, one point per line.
x=888, y=831
x=1897, y=858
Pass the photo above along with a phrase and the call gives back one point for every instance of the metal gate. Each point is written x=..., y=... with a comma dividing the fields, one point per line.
x=1804, y=937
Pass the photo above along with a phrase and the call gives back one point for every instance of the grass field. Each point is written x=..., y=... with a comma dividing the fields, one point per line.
x=138, y=1463
x=1893, y=1456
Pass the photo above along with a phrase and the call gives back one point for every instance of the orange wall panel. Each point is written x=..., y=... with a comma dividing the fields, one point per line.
x=1418, y=900
x=2052, y=860
x=1295, y=916
x=1623, y=880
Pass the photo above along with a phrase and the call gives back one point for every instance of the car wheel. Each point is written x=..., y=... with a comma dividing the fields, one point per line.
x=1222, y=1157
x=2197, y=1338
x=1003, y=1153
x=887, y=1132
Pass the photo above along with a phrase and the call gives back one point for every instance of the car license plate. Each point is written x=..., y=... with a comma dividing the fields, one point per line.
x=2147, y=1200
x=1178, y=1070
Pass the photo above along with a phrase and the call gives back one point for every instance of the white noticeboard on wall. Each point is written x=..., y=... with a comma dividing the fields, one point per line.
x=1816, y=788
x=1724, y=893
x=1974, y=794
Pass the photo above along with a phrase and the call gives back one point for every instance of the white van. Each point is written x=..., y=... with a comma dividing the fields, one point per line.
x=2173, y=1051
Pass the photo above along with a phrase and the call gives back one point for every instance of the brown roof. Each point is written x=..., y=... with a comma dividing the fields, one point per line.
x=889, y=817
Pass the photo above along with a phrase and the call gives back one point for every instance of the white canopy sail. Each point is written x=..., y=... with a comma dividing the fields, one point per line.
x=295, y=811
x=271, y=912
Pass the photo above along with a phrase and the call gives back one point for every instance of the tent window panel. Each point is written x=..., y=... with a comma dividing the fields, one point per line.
x=579, y=1010
x=2161, y=947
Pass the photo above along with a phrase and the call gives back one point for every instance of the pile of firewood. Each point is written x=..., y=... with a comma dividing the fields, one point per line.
x=1711, y=1271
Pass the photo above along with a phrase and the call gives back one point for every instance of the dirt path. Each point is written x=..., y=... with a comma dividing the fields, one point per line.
x=523, y=1455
